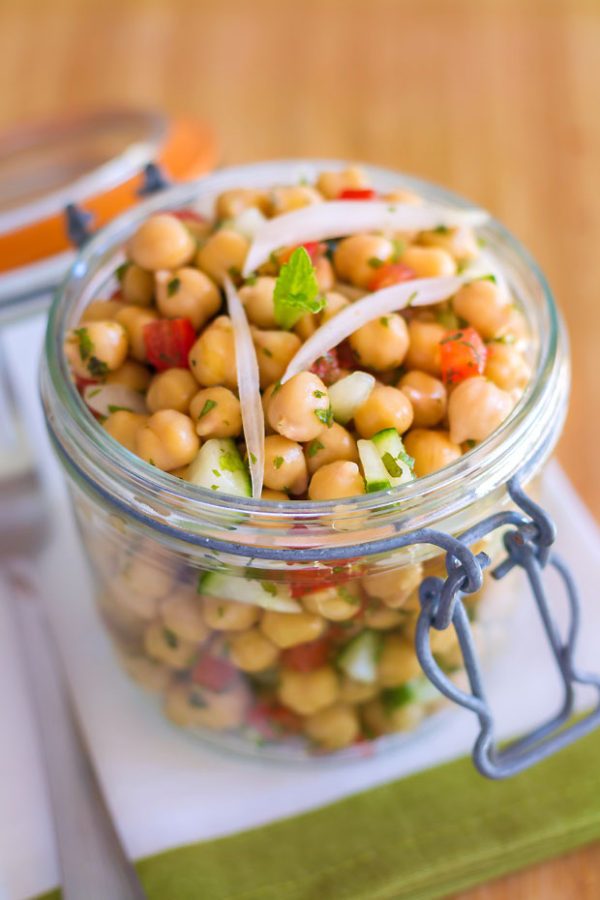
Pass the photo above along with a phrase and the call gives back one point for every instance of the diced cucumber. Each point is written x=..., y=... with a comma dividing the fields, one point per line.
x=419, y=690
x=375, y=473
x=266, y=594
x=359, y=657
x=397, y=462
x=347, y=394
x=219, y=467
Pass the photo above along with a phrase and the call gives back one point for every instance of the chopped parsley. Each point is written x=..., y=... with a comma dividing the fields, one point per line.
x=253, y=458
x=375, y=262
x=171, y=638
x=270, y=588
x=385, y=321
x=86, y=345
x=97, y=367
x=441, y=229
x=267, y=352
x=318, y=394
x=325, y=416
x=113, y=409
x=120, y=271
x=173, y=286
x=502, y=339
x=399, y=248
x=278, y=462
x=251, y=279
x=395, y=697
x=314, y=447
x=233, y=272
x=209, y=404
x=296, y=290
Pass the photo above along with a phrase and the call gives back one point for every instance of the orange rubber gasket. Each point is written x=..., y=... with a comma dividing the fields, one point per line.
x=189, y=150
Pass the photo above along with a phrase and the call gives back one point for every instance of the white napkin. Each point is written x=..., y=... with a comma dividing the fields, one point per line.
x=164, y=787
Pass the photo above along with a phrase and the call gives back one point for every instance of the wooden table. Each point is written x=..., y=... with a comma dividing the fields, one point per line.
x=498, y=100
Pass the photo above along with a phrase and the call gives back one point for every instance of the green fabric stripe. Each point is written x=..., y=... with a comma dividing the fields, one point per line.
x=423, y=837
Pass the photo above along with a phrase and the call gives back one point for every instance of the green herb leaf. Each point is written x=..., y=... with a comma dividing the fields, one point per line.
x=86, y=345
x=278, y=462
x=120, y=271
x=375, y=262
x=325, y=416
x=318, y=394
x=97, y=367
x=253, y=458
x=395, y=697
x=209, y=404
x=314, y=447
x=114, y=409
x=171, y=638
x=251, y=279
x=441, y=229
x=296, y=290
x=399, y=248
x=173, y=286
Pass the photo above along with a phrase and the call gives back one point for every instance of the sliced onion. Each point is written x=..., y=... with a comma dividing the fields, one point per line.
x=248, y=377
x=248, y=223
x=335, y=218
x=487, y=264
x=347, y=394
x=418, y=292
x=105, y=399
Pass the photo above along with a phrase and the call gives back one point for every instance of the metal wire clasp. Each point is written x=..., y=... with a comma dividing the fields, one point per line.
x=528, y=543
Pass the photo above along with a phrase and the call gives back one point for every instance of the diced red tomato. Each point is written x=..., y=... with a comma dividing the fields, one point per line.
x=346, y=358
x=357, y=194
x=82, y=383
x=214, y=673
x=117, y=294
x=272, y=719
x=463, y=355
x=329, y=367
x=189, y=215
x=306, y=657
x=168, y=343
x=389, y=274
x=315, y=249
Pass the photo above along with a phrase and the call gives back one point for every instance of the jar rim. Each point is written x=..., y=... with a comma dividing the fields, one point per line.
x=192, y=513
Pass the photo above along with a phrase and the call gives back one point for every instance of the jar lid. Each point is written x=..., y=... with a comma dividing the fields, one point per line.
x=93, y=159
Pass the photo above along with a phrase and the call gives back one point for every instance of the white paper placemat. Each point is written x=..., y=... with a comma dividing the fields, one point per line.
x=164, y=787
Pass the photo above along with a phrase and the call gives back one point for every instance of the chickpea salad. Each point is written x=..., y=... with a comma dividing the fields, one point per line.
x=309, y=341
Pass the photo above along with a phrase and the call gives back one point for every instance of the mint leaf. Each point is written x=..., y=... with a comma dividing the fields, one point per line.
x=325, y=416
x=296, y=290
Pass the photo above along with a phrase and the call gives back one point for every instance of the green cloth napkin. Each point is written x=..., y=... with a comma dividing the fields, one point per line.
x=426, y=836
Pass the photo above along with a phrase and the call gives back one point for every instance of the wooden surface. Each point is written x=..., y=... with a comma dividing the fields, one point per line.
x=497, y=100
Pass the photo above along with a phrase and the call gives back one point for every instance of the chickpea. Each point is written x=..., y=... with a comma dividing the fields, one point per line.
x=331, y=184
x=161, y=242
x=131, y=374
x=137, y=285
x=172, y=389
x=382, y=343
x=398, y=662
x=124, y=426
x=330, y=445
x=482, y=305
x=427, y=397
x=217, y=413
x=334, y=303
x=196, y=707
x=212, y=357
x=189, y=294
x=383, y=618
x=334, y=603
x=306, y=693
x=96, y=349
x=354, y=257
x=386, y=407
x=229, y=615
x=382, y=719
x=149, y=674
x=163, y=645
x=324, y=273
x=476, y=408
x=286, y=199
x=285, y=465
x=335, y=481
x=299, y=408
x=257, y=299
x=429, y=262
x=424, y=346
x=333, y=728
x=266, y=399
x=306, y=326
x=431, y=450
x=231, y=203
x=506, y=367
x=274, y=350
x=251, y=651
x=223, y=253
x=395, y=587
x=167, y=440
x=101, y=311
x=181, y=613
x=275, y=496
x=289, y=629
x=356, y=691
x=400, y=195
x=134, y=319
x=460, y=242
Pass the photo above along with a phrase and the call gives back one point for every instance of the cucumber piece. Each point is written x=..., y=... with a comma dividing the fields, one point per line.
x=266, y=594
x=359, y=657
x=419, y=690
x=374, y=471
x=398, y=464
x=219, y=467
x=347, y=394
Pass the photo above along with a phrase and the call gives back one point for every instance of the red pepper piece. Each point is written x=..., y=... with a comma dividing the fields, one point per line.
x=306, y=657
x=357, y=194
x=389, y=274
x=214, y=673
x=315, y=249
x=168, y=343
x=463, y=355
x=272, y=719
x=189, y=215
x=329, y=367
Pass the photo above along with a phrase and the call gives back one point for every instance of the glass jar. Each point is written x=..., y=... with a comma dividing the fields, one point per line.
x=288, y=627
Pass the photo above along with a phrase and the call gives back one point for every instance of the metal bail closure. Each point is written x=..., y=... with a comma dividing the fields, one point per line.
x=528, y=542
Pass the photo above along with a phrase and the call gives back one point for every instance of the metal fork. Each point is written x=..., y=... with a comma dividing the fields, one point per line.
x=92, y=860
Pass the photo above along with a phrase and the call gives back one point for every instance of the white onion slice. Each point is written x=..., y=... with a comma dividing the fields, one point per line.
x=248, y=223
x=347, y=394
x=487, y=264
x=105, y=399
x=335, y=218
x=417, y=292
x=248, y=377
